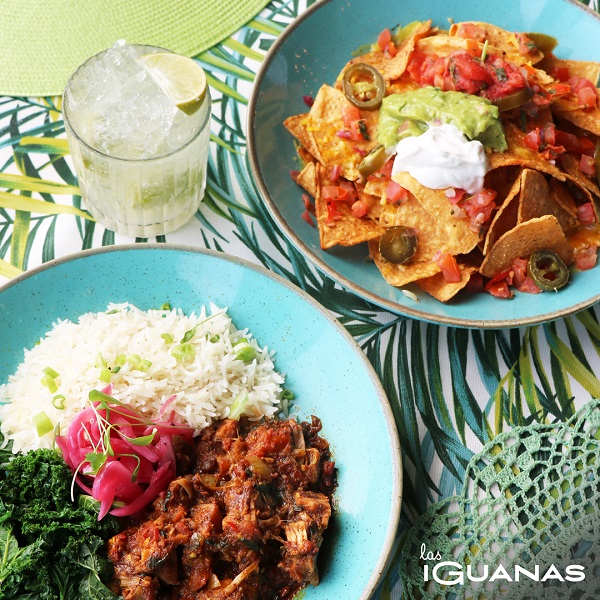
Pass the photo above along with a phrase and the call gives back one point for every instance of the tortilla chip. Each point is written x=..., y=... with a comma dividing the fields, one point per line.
x=502, y=181
x=518, y=154
x=536, y=200
x=505, y=41
x=393, y=67
x=586, y=118
x=346, y=230
x=405, y=84
x=324, y=122
x=307, y=178
x=505, y=217
x=564, y=199
x=297, y=125
x=578, y=68
x=442, y=290
x=376, y=186
x=317, y=132
x=398, y=275
x=373, y=201
x=542, y=233
x=430, y=237
x=304, y=155
x=570, y=163
x=458, y=235
x=443, y=45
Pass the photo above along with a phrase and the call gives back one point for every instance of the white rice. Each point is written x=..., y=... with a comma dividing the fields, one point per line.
x=205, y=387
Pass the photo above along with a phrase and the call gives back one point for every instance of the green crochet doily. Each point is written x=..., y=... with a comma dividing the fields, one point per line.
x=531, y=498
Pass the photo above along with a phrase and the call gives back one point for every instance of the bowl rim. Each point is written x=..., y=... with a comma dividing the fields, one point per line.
x=319, y=263
x=395, y=448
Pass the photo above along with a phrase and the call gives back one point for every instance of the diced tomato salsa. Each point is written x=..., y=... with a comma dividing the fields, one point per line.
x=460, y=71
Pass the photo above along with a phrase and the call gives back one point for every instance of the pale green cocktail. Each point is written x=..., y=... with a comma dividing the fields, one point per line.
x=141, y=161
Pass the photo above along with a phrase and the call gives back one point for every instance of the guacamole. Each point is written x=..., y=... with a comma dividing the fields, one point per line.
x=409, y=114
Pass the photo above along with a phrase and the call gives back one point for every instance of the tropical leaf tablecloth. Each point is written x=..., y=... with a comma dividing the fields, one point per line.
x=452, y=390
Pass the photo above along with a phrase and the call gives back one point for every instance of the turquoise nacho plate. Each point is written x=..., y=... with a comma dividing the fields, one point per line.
x=312, y=51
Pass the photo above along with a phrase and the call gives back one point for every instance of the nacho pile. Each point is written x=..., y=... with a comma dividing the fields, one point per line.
x=540, y=189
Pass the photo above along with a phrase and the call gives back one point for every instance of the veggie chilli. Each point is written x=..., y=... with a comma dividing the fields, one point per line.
x=245, y=521
x=478, y=141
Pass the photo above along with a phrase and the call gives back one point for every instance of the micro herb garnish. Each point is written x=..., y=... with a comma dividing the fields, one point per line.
x=501, y=74
x=484, y=51
x=188, y=335
x=96, y=460
x=362, y=128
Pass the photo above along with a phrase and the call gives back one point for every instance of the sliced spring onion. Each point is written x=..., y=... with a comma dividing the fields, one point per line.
x=51, y=372
x=49, y=382
x=100, y=362
x=214, y=338
x=287, y=395
x=167, y=337
x=88, y=503
x=245, y=352
x=183, y=352
x=238, y=405
x=138, y=363
x=166, y=306
x=120, y=360
x=104, y=374
x=43, y=424
x=58, y=402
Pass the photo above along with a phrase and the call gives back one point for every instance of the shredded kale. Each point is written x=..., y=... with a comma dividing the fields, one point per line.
x=50, y=547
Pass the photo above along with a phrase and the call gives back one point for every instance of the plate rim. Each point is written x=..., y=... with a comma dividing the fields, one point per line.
x=386, y=408
x=346, y=282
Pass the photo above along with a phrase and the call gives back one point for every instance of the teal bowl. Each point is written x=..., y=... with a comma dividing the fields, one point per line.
x=312, y=51
x=323, y=365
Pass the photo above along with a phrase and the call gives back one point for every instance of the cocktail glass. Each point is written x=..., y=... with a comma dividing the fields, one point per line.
x=141, y=162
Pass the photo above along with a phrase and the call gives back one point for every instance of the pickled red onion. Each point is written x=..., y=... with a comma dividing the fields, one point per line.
x=118, y=455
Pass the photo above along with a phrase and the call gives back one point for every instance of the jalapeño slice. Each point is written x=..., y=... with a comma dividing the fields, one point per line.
x=548, y=270
x=364, y=86
x=398, y=244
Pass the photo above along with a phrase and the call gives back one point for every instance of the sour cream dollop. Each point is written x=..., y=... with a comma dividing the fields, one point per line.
x=442, y=158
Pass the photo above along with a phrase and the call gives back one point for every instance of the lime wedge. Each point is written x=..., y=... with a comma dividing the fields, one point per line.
x=180, y=78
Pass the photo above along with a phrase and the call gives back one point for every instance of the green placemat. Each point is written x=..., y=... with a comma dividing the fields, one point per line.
x=43, y=41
